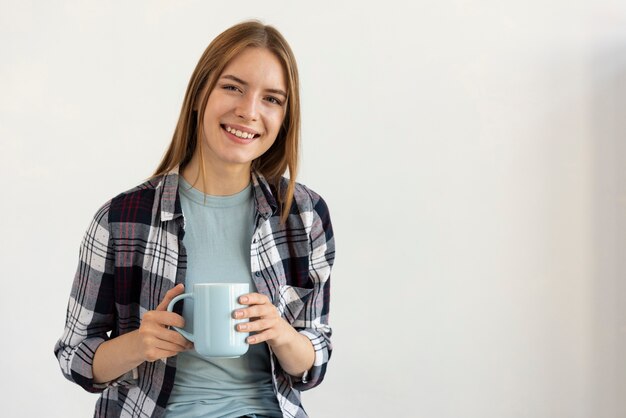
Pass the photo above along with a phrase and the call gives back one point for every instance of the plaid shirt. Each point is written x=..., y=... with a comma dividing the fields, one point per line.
x=131, y=255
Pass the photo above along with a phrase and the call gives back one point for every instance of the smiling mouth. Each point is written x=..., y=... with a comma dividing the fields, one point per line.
x=240, y=134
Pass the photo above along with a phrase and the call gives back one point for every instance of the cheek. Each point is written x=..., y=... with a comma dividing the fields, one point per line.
x=278, y=121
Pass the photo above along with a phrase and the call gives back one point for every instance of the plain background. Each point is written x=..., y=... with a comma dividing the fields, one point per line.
x=472, y=154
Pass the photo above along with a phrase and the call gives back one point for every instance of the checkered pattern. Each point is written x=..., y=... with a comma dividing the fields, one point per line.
x=131, y=256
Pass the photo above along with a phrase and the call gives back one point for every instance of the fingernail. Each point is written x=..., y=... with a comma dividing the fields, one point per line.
x=243, y=299
x=238, y=314
x=251, y=339
x=243, y=327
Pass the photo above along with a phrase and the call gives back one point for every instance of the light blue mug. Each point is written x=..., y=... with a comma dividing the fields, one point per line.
x=214, y=333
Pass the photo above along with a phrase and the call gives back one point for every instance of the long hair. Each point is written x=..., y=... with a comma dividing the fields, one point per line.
x=283, y=154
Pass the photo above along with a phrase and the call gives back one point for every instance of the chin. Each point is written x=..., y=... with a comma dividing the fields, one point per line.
x=239, y=160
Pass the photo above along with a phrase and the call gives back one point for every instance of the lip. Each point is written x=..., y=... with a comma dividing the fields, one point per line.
x=235, y=138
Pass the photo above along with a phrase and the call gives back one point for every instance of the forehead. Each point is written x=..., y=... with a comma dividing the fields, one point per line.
x=258, y=66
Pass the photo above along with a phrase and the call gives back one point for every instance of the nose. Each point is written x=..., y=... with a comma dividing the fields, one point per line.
x=247, y=108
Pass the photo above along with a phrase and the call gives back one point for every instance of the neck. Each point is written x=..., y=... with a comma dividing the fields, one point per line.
x=216, y=180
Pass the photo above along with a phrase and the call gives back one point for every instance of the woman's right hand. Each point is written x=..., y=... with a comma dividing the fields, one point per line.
x=154, y=340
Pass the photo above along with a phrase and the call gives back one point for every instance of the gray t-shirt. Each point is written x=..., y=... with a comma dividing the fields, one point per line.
x=218, y=231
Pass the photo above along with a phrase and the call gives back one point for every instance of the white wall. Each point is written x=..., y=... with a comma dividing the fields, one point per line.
x=472, y=154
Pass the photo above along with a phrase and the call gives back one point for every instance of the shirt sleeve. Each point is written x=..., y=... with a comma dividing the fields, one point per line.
x=91, y=307
x=314, y=314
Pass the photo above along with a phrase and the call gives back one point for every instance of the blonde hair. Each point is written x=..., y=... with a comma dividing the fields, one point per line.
x=283, y=154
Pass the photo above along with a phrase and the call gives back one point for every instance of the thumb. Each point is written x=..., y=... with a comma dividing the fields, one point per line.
x=171, y=294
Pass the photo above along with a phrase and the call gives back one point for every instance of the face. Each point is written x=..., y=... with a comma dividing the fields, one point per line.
x=245, y=110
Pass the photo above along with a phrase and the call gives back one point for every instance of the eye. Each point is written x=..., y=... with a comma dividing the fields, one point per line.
x=274, y=100
x=230, y=87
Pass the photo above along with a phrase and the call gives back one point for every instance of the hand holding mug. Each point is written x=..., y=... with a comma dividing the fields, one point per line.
x=265, y=321
x=154, y=340
x=214, y=329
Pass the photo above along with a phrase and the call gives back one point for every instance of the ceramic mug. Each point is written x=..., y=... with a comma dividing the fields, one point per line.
x=214, y=333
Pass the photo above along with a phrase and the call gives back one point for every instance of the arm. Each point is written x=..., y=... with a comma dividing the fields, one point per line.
x=90, y=311
x=298, y=330
x=86, y=353
x=311, y=320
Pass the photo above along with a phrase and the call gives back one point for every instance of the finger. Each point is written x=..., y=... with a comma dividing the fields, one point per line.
x=256, y=326
x=179, y=289
x=171, y=346
x=151, y=335
x=253, y=299
x=261, y=337
x=174, y=337
x=165, y=318
x=157, y=348
x=262, y=311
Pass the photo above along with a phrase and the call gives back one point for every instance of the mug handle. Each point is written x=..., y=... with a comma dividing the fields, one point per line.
x=170, y=308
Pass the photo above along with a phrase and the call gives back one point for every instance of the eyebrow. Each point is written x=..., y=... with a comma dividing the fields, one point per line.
x=240, y=81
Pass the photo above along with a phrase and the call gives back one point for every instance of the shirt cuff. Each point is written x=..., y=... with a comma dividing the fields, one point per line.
x=315, y=374
x=129, y=378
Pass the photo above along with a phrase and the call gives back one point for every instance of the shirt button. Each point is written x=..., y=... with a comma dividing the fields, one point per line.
x=257, y=274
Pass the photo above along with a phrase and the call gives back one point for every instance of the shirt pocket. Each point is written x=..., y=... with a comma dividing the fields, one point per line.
x=291, y=300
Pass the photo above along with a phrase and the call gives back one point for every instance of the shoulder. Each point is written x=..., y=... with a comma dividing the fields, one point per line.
x=135, y=204
x=305, y=199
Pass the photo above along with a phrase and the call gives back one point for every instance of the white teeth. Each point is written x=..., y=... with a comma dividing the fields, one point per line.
x=240, y=134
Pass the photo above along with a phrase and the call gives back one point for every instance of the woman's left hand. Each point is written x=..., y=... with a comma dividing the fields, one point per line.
x=265, y=321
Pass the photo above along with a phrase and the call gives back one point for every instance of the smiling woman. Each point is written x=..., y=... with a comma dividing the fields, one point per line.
x=275, y=81
x=242, y=118
x=217, y=210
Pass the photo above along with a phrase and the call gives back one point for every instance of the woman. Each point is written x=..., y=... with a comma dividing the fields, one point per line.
x=216, y=209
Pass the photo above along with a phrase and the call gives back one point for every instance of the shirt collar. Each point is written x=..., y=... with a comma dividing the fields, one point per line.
x=265, y=201
x=170, y=200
